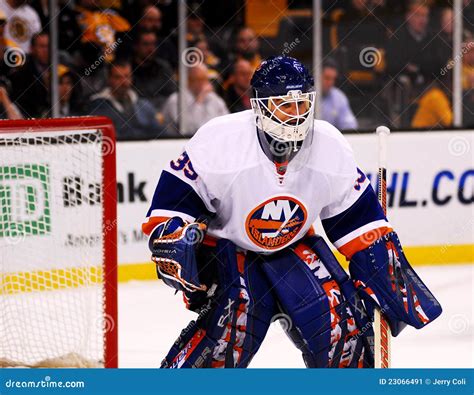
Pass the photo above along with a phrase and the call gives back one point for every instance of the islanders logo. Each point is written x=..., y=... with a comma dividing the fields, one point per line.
x=275, y=222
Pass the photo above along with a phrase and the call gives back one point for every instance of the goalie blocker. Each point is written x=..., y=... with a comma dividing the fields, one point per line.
x=328, y=315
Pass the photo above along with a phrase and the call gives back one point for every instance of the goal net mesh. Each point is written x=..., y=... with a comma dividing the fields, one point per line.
x=52, y=249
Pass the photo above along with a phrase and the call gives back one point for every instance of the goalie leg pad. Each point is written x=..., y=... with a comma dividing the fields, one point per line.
x=322, y=318
x=232, y=326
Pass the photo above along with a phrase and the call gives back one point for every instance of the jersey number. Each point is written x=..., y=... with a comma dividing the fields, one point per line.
x=360, y=180
x=184, y=163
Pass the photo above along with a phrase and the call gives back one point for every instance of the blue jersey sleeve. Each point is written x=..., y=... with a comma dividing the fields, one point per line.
x=180, y=192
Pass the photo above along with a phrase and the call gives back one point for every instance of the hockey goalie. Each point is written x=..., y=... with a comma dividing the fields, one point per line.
x=230, y=226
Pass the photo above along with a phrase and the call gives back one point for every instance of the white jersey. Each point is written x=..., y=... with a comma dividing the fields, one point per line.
x=22, y=23
x=225, y=168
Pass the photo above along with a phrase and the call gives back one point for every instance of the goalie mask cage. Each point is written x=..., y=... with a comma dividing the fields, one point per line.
x=58, y=243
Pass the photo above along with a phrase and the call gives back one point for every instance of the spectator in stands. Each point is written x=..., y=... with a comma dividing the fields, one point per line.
x=447, y=23
x=151, y=21
x=133, y=9
x=238, y=93
x=69, y=93
x=202, y=103
x=354, y=28
x=468, y=65
x=70, y=103
x=468, y=15
x=23, y=22
x=5, y=65
x=212, y=62
x=196, y=32
x=101, y=29
x=94, y=76
x=4, y=42
x=69, y=39
x=335, y=107
x=169, y=8
x=247, y=46
x=195, y=26
x=8, y=110
x=102, y=35
x=356, y=35
x=412, y=50
x=444, y=38
x=434, y=107
x=152, y=77
x=134, y=117
x=30, y=81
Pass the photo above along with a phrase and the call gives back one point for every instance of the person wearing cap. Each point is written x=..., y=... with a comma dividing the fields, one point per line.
x=69, y=93
x=22, y=24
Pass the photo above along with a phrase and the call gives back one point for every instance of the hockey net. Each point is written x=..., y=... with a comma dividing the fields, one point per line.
x=58, y=259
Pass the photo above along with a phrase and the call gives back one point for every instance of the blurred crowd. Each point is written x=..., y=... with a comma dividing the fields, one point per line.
x=396, y=60
x=385, y=61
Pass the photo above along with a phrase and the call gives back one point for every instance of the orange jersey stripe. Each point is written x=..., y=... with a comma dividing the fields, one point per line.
x=363, y=241
x=147, y=227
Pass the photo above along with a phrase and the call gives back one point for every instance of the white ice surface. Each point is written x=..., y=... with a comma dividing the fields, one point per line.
x=151, y=317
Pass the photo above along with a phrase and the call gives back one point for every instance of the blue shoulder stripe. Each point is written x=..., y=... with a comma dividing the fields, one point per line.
x=174, y=194
x=365, y=210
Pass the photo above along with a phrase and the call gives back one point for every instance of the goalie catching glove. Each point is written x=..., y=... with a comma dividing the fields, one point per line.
x=174, y=244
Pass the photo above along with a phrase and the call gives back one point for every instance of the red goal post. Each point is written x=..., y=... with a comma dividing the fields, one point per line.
x=74, y=160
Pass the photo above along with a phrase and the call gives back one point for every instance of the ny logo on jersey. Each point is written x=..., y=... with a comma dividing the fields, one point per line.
x=275, y=222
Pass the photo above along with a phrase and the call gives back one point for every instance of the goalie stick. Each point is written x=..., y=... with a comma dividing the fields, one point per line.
x=381, y=329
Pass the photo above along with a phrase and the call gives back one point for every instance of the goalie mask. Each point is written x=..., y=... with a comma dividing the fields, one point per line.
x=283, y=104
